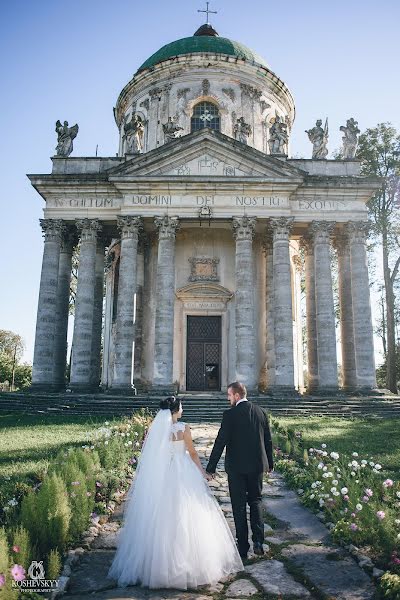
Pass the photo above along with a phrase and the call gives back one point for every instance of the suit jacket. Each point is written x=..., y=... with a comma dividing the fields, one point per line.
x=246, y=434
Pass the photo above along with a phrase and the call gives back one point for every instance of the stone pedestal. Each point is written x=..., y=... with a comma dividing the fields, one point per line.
x=246, y=368
x=43, y=375
x=283, y=317
x=311, y=323
x=165, y=299
x=362, y=319
x=269, y=300
x=63, y=294
x=125, y=332
x=81, y=365
x=324, y=306
x=349, y=374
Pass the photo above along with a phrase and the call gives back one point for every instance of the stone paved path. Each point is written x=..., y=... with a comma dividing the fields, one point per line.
x=299, y=563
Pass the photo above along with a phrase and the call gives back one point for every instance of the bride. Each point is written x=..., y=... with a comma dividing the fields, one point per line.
x=174, y=534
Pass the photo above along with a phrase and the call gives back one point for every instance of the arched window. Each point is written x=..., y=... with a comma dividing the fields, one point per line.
x=205, y=114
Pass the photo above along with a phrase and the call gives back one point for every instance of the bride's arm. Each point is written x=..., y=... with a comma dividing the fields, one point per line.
x=187, y=436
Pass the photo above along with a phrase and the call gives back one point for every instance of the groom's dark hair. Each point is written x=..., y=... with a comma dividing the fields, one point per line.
x=238, y=388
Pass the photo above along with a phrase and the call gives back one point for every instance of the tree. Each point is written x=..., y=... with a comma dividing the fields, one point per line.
x=11, y=351
x=379, y=151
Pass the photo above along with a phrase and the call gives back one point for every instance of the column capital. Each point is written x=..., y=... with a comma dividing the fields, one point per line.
x=357, y=231
x=167, y=227
x=321, y=231
x=130, y=226
x=281, y=226
x=69, y=238
x=53, y=229
x=244, y=228
x=88, y=229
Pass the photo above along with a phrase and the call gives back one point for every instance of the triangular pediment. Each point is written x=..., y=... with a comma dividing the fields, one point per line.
x=206, y=153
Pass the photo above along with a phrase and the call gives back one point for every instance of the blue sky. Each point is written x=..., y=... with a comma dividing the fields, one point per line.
x=69, y=60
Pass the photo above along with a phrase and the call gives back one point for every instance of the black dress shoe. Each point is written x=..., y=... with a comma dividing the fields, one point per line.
x=243, y=557
x=258, y=549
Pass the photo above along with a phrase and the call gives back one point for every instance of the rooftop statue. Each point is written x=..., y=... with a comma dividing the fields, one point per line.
x=350, y=138
x=319, y=139
x=242, y=130
x=134, y=133
x=278, y=136
x=171, y=130
x=65, y=135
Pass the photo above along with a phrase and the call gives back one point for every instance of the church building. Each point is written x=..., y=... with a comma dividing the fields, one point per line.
x=193, y=239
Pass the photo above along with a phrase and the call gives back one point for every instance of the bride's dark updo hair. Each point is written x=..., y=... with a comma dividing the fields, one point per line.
x=172, y=403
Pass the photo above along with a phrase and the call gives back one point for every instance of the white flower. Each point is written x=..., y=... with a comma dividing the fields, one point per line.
x=358, y=506
x=364, y=462
x=106, y=443
x=398, y=536
x=354, y=464
x=397, y=521
x=324, y=453
x=323, y=445
x=334, y=455
x=335, y=482
x=398, y=494
x=330, y=474
x=378, y=467
x=312, y=496
x=130, y=443
x=300, y=491
x=352, y=474
x=314, y=485
x=371, y=463
x=106, y=423
x=320, y=466
x=325, y=468
x=321, y=502
x=333, y=489
x=12, y=502
x=355, y=454
x=344, y=490
x=311, y=449
x=325, y=475
x=336, y=493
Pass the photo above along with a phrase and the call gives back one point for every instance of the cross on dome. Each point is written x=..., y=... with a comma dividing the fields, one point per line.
x=208, y=11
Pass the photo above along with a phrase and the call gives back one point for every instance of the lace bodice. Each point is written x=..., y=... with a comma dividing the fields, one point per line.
x=177, y=446
x=175, y=428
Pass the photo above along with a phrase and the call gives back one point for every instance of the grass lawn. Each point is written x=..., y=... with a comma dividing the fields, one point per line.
x=377, y=438
x=27, y=442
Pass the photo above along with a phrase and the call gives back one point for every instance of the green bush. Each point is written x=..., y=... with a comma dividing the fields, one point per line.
x=53, y=565
x=80, y=503
x=21, y=547
x=47, y=515
x=390, y=586
x=6, y=591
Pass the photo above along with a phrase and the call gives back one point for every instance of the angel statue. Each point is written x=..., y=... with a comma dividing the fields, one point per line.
x=350, y=138
x=65, y=135
x=319, y=139
x=242, y=130
x=171, y=130
x=278, y=136
x=134, y=133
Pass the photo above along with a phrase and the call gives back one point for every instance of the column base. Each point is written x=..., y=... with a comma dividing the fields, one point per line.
x=366, y=391
x=46, y=387
x=325, y=391
x=83, y=388
x=281, y=391
x=123, y=390
x=164, y=390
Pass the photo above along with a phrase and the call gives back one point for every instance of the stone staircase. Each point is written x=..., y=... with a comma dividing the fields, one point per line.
x=199, y=407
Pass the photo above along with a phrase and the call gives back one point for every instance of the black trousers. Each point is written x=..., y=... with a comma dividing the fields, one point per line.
x=246, y=488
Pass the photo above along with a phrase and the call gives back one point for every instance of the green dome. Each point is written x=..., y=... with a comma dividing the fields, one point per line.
x=203, y=44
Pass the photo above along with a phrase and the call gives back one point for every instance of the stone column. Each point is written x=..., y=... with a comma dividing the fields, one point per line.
x=81, y=366
x=165, y=298
x=269, y=300
x=63, y=295
x=98, y=312
x=125, y=328
x=362, y=319
x=342, y=246
x=137, y=362
x=246, y=367
x=311, y=323
x=325, y=312
x=43, y=358
x=283, y=318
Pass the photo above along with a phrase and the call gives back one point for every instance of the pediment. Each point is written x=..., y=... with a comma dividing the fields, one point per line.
x=206, y=153
x=204, y=292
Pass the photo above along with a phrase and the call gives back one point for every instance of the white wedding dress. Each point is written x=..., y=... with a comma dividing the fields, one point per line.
x=174, y=533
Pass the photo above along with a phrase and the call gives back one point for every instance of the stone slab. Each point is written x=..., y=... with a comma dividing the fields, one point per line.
x=137, y=593
x=331, y=572
x=301, y=521
x=241, y=588
x=105, y=540
x=90, y=573
x=274, y=579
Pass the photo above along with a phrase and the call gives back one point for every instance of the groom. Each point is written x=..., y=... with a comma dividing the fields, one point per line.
x=245, y=433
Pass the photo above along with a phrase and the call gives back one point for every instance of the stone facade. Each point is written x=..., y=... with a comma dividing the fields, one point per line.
x=202, y=225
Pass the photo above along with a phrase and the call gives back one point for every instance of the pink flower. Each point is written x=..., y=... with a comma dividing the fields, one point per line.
x=369, y=492
x=2, y=580
x=387, y=483
x=18, y=573
x=16, y=548
x=98, y=484
x=365, y=498
x=353, y=515
x=346, y=510
x=346, y=498
x=353, y=527
x=381, y=514
x=88, y=494
x=75, y=483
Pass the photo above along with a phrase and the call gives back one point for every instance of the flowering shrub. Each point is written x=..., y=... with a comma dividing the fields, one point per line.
x=358, y=502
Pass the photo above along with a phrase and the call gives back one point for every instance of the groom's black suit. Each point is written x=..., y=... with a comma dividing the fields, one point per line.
x=245, y=433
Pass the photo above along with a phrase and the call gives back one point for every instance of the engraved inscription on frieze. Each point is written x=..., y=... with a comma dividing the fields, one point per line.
x=203, y=269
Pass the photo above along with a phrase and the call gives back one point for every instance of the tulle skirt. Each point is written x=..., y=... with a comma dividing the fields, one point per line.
x=187, y=543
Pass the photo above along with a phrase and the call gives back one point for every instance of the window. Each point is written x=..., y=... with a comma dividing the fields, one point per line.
x=205, y=114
